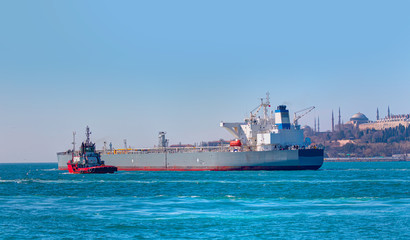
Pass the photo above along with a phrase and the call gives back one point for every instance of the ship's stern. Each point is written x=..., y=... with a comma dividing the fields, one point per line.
x=311, y=158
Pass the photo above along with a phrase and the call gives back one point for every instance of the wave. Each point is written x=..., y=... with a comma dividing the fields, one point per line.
x=50, y=170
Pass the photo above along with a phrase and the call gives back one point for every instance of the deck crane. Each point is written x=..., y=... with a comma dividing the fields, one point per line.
x=305, y=111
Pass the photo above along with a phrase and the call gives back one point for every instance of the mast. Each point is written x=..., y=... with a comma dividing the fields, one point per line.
x=265, y=110
x=73, y=144
x=263, y=105
x=87, y=134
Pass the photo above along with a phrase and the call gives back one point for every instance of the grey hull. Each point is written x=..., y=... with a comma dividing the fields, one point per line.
x=297, y=159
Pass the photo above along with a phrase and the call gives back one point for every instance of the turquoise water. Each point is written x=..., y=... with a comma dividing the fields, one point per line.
x=342, y=200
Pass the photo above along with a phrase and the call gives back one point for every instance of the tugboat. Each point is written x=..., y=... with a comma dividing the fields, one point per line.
x=88, y=160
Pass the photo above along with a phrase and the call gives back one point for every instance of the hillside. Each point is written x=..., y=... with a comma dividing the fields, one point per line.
x=351, y=142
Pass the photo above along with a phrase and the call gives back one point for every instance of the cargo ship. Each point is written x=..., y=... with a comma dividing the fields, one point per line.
x=263, y=141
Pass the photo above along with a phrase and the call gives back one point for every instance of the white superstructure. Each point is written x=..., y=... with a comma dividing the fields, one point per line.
x=269, y=131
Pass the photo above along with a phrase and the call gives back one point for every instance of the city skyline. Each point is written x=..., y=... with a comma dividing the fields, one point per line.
x=132, y=69
x=333, y=126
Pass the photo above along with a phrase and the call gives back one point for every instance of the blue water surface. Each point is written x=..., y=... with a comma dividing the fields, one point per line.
x=339, y=201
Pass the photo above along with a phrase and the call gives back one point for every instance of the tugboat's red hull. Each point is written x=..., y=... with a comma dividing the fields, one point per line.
x=72, y=168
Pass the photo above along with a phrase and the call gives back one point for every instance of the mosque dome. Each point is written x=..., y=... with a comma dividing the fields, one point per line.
x=359, y=118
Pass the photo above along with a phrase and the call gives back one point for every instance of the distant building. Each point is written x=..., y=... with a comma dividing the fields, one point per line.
x=388, y=122
x=360, y=121
x=358, y=118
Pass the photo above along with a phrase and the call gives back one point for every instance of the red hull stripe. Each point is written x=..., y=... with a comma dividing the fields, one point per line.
x=214, y=168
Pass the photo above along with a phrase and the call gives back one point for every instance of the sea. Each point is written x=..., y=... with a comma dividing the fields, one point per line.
x=342, y=200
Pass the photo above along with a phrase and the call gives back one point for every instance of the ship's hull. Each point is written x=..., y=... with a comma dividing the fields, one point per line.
x=298, y=159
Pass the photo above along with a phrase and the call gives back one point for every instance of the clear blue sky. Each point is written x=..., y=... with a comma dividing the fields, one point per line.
x=129, y=69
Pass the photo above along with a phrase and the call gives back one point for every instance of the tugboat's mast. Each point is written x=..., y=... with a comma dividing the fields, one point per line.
x=73, y=143
x=87, y=134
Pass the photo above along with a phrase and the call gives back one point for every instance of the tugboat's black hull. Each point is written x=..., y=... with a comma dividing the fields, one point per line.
x=72, y=168
x=105, y=169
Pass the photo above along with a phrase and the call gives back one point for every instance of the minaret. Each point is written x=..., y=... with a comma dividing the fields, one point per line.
x=318, y=125
x=315, y=124
x=388, y=111
x=333, y=122
x=377, y=115
x=340, y=121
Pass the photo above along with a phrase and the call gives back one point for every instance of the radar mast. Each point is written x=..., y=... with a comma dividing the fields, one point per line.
x=263, y=105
